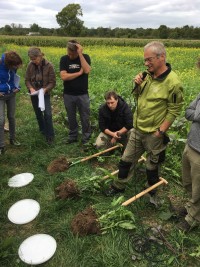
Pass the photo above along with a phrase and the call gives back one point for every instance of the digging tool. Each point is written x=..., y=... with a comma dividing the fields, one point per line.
x=115, y=172
x=162, y=181
x=95, y=155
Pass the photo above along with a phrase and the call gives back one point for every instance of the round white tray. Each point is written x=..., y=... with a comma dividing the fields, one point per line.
x=37, y=249
x=20, y=180
x=23, y=211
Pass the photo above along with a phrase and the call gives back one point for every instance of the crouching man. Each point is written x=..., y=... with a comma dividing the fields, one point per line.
x=115, y=121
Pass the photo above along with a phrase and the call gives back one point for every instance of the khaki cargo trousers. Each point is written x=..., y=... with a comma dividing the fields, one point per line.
x=138, y=143
x=191, y=182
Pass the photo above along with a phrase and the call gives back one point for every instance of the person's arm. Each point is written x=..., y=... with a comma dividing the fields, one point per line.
x=65, y=76
x=51, y=79
x=84, y=64
x=27, y=79
x=192, y=113
x=175, y=102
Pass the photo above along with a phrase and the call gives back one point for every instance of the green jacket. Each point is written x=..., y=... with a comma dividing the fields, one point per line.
x=158, y=100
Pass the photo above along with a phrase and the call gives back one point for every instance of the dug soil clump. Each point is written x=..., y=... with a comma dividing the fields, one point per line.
x=85, y=223
x=58, y=165
x=68, y=189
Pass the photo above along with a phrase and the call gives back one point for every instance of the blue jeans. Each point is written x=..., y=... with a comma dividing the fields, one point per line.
x=44, y=118
x=10, y=101
x=82, y=103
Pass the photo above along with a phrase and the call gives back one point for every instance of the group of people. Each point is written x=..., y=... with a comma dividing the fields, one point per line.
x=159, y=98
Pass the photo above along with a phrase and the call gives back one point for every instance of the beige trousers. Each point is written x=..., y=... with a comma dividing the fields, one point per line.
x=191, y=182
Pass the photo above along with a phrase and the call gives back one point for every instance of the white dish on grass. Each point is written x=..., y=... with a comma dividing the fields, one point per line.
x=23, y=211
x=21, y=179
x=37, y=249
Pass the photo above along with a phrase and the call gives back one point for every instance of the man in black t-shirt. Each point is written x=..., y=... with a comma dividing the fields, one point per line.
x=74, y=70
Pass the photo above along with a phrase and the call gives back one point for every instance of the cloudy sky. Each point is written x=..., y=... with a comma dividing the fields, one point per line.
x=113, y=13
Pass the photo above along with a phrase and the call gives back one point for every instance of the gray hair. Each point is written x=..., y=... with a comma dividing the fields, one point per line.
x=157, y=47
x=35, y=52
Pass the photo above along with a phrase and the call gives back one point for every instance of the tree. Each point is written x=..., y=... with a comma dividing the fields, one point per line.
x=69, y=21
x=34, y=27
x=163, y=32
x=7, y=29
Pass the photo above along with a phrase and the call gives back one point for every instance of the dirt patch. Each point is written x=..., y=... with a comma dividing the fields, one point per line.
x=68, y=189
x=85, y=223
x=58, y=165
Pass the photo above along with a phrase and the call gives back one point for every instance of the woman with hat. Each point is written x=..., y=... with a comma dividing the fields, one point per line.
x=40, y=74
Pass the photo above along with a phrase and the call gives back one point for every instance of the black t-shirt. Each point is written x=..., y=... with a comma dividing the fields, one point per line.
x=79, y=85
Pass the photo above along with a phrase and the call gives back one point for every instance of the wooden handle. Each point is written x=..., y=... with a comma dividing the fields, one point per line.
x=162, y=181
x=102, y=152
x=115, y=172
x=141, y=159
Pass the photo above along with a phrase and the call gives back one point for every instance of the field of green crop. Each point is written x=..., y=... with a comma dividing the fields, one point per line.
x=113, y=67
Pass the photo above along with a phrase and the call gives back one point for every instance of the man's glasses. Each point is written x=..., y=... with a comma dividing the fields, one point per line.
x=150, y=59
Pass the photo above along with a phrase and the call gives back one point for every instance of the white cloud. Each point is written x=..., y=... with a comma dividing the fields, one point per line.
x=113, y=13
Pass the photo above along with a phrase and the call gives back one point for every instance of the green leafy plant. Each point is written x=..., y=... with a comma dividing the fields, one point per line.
x=118, y=217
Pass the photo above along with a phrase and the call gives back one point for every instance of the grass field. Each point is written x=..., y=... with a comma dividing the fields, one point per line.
x=112, y=68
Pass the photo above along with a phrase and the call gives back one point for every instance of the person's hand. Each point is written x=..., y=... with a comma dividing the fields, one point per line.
x=1, y=94
x=157, y=134
x=32, y=90
x=116, y=135
x=81, y=71
x=45, y=90
x=79, y=49
x=113, y=141
x=138, y=78
x=15, y=90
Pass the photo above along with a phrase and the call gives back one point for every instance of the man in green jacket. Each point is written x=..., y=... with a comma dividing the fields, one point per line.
x=159, y=100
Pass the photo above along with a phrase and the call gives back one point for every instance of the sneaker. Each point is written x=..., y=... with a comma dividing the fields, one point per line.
x=184, y=226
x=112, y=190
x=2, y=150
x=14, y=142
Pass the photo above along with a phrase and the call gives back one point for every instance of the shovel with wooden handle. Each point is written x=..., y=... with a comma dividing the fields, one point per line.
x=130, y=200
x=115, y=172
x=95, y=155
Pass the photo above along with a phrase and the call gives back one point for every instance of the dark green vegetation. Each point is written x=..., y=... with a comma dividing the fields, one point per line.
x=112, y=67
x=91, y=41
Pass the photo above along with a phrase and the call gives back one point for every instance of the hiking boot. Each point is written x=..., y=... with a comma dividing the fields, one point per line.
x=2, y=150
x=178, y=210
x=14, y=142
x=184, y=226
x=112, y=190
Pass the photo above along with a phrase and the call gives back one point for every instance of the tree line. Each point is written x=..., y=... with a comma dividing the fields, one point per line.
x=72, y=25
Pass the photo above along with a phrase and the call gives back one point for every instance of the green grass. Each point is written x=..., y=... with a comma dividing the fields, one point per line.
x=112, y=67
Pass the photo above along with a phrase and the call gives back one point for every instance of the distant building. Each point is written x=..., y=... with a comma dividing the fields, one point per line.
x=33, y=33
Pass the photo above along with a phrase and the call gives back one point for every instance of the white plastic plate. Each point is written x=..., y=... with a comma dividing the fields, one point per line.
x=23, y=211
x=37, y=249
x=20, y=180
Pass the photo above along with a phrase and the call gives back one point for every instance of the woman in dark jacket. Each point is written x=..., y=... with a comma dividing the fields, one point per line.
x=9, y=85
x=40, y=76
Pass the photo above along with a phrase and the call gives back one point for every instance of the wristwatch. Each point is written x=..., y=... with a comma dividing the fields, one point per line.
x=160, y=132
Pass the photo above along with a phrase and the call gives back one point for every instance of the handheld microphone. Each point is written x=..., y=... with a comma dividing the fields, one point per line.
x=144, y=74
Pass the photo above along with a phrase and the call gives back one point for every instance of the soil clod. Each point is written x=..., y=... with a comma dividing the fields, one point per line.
x=58, y=165
x=85, y=223
x=68, y=189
